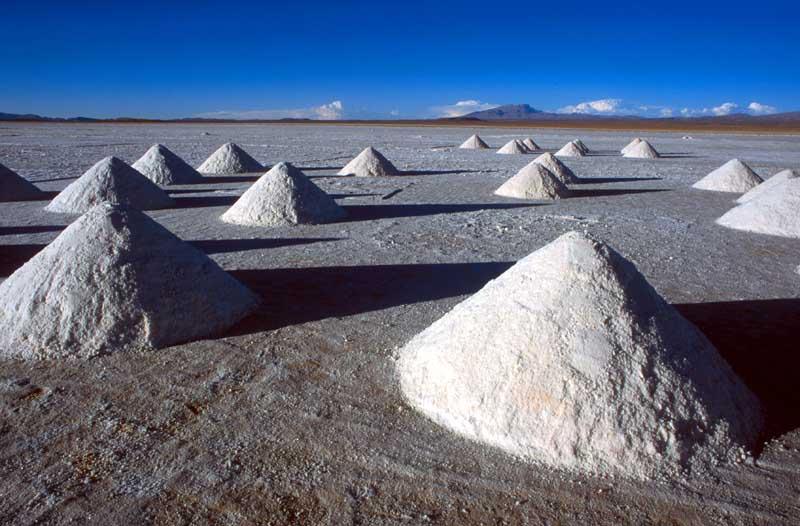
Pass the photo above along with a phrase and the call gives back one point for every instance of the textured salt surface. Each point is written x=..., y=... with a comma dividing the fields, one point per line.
x=474, y=143
x=513, y=146
x=733, y=176
x=14, y=187
x=369, y=163
x=582, y=147
x=163, y=167
x=230, y=159
x=777, y=179
x=570, y=358
x=530, y=144
x=557, y=168
x=641, y=150
x=775, y=212
x=534, y=181
x=570, y=150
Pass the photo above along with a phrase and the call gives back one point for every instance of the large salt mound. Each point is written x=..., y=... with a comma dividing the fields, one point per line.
x=777, y=179
x=230, y=159
x=513, y=147
x=733, y=176
x=530, y=144
x=115, y=280
x=572, y=359
x=534, y=181
x=474, y=143
x=631, y=144
x=641, y=150
x=775, y=212
x=582, y=147
x=163, y=167
x=110, y=180
x=283, y=196
x=369, y=163
x=13, y=187
x=557, y=168
x=570, y=150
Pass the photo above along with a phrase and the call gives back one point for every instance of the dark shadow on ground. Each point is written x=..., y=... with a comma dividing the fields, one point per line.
x=370, y=212
x=220, y=246
x=609, y=192
x=439, y=172
x=54, y=179
x=293, y=296
x=183, y=191
x=318, y=168
x=14, y=256
x=345, y=196
x=29, y=229
x=759, y=340
x=203, y=202
x=678, y=156
x=214, y=179
x=604, y=180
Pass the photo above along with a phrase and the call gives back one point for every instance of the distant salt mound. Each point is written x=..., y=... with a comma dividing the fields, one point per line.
x=474, y=143
x=13, y=187
x=570, y=150
x=163, y=167
x=110, y=180
x=777, y=179
x=115, y=280
x=775, y=212
x=283, y=196
x=369, y=163
x=513, y=147
x=582, y=147
x=571, y=359
x=559, y=169
x=230, y=159
x=631, y=144
x=530, y=144
x=733, y=176
x=534, y=181
x=642, y=150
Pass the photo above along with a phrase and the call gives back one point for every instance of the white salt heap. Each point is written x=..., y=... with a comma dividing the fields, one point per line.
x=13, y=187
x=582, y=147
x=163, y=167
x=559, y=169
x=779, y=178
x=115, y=280
x=230, y=159
x=369, y=163
x=775, y=212
x=534, y=181
x=110, y=180
x=733, y=176
x=474, y=143
x=570, y=150
x=530, y=144
x=631, y=144
x=641, y=150
x=513, y=147
x=283, y=196
x=571, y=359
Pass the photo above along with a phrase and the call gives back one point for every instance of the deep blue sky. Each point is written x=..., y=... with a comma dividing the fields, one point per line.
x=188, y=58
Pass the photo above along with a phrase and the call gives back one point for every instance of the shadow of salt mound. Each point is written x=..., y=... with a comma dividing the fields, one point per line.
x=29, y=229
x=205, y=201
x=298, y=295
x=440, y=172
x=370, y=212
x=318, y=168
x=214, y=179
x=345, y=196
x=610, y=192
x=603, y=180
x=220, y=246
x=14, y=256
x=758, y=339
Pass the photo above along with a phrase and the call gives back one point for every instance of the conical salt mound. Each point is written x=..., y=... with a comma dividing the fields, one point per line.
x=513, y=147
x=777, y=179
x=369, y=163
x=13, y=187
x=631, y=144
x=557, y=168
x=534, y=181
x=733, y=176
x=115, y=280
x=642, y=150
x=570, y=150
x=283, y=196
x=112, y=181
x=776, y=212
x=230, y=159
x=582, y=147
x=530, y=144
x=571, y=359
x=474, y=143
x=163, y=167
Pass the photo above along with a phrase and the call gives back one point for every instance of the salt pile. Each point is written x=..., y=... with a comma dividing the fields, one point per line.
x=631, y=144
x=733, y=176
x=570, y=150
x=582, y=147
x=779, y=178
x=557, y=168
x=572, y=359
x=115, y=280
x=641, y=150
x=513, y=147
x=775, y=212
x=283, y=196
x=110, y=180
x=230, y=159
x=163, y=167
x=534, y=181
x=13, y=187
x=474, y=143
x=369, y=163
x=530, y=144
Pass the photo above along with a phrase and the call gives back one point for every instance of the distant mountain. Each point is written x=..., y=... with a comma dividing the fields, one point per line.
x=32, y=117
x=511, y=112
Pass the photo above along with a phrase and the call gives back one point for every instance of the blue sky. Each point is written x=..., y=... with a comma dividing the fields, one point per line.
x=414, y=59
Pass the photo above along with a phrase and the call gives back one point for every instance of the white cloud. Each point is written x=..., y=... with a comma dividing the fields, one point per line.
x=462, y=107
x=756, y=108
x=394, y=113
x=595, y=107
x=326, y=112
x=726, y=108
x=666, y=112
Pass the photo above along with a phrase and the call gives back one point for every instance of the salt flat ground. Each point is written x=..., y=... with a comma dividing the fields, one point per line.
x=294, y=416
